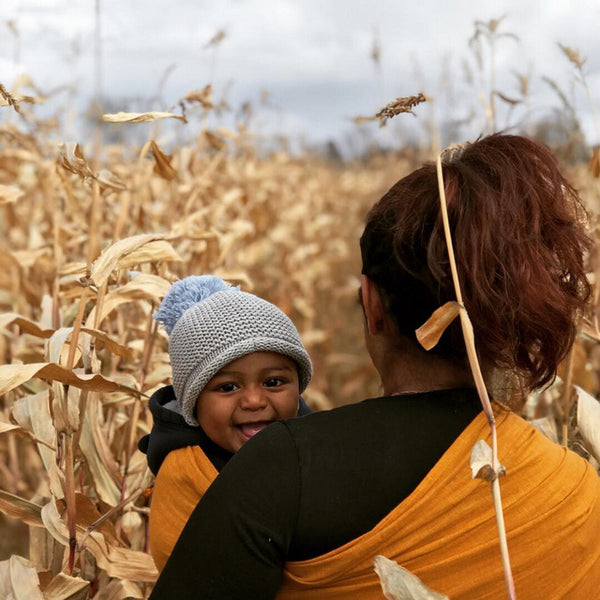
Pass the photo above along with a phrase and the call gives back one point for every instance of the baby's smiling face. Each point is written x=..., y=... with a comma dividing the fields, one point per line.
x=245, y=396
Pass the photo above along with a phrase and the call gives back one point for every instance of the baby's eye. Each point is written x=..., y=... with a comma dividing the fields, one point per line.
x=273, y=382
x=227, y=387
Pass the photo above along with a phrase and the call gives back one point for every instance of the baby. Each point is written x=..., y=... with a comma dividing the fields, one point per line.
x=238, y=364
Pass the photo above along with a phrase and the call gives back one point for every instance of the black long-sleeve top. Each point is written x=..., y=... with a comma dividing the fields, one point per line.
x=306, y=486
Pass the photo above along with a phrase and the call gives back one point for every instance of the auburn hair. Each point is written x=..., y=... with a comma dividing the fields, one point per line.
x=518, y=229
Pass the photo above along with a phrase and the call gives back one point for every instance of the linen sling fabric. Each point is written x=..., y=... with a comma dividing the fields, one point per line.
x=445, y=531
x=182, y=480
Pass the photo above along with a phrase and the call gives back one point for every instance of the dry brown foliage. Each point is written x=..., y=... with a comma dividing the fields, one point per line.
x=573, y=55
x=80, y=352
x=400, y=105
x=85, y=258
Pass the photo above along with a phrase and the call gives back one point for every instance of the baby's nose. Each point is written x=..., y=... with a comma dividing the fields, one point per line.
x=253, y=398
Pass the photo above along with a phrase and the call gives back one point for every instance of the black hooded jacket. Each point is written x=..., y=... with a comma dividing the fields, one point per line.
x=170, y=432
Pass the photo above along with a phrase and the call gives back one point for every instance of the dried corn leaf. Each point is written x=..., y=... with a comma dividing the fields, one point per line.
x=14, y=100
x=65, y=408
x=45, y=552
x=33, y=412
x=117, y=562
x=7, y=259
x=594, y=166
x=314, y=336
x=156, y=251
x=28, y=258
x=103, y=467
x=111, y=302
x=22, y=80
x=73, y=268
x=303, y=307
x=505, y=98
x=203, y=97
x=8, y=99
x=481, y=461
x=573, y=55
x=53, y=522
x=111, y=345
x=87, y=515
x=226, y=133
x=71, y=158
x=236, y=278
x=19, y=580
x=157, y=374
x=403, y=104
x=162, y=163
x=362, y=119
x=145, y=117
x=145, y=287
x=119, y=589
x=110, y=258
x=214, y=140
x=216, y=39
x=10, y=193
x=65, y=587
x=429, y=334
x=20, y=413
x=139, y=476
x=589, y=330
x=133, y=526
x=26, y=325
x=523, y=83
x=12, y=376
x=56, y=342
x=21, y=509
x=4, y=427
x=109, y=181
x=121, y=563
x=588, y=420
x=399, y=583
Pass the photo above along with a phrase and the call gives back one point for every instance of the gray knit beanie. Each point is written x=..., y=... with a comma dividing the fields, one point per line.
x=211, y=324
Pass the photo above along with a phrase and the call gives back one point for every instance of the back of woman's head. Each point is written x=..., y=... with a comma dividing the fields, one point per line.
x=518, y=232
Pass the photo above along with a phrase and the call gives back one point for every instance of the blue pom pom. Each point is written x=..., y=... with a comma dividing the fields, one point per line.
x=184, y=294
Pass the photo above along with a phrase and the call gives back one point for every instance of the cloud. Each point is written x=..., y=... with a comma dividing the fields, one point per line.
x=313, y=56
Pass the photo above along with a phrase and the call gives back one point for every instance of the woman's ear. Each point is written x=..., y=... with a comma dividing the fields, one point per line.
x=372, y=305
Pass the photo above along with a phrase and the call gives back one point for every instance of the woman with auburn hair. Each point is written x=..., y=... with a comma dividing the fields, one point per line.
x=304, y=507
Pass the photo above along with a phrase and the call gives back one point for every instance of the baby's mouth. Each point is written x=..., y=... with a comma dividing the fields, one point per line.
x=249, y=430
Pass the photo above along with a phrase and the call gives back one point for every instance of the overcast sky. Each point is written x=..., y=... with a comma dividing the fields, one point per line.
x=312, y=56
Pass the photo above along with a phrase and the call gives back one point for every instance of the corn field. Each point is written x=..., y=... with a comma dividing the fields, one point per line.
x=87, y=250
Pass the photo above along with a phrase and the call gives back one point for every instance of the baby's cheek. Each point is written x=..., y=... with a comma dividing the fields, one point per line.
x=290, y=407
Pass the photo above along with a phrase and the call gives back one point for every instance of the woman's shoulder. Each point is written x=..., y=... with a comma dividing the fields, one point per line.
x=341, y=413
x=326, y=424
x=382, y=417
x=528, y=444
